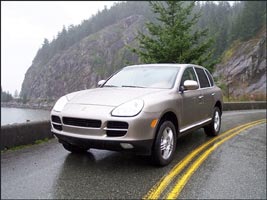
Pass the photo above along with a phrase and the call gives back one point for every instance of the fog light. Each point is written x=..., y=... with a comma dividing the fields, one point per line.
x=126, y=145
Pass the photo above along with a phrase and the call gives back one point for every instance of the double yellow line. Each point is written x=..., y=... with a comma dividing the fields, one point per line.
x=159, y=187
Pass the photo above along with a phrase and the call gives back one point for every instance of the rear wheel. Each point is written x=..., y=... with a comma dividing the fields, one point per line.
x=74, y=149
x=213, y=128
x=165, y=144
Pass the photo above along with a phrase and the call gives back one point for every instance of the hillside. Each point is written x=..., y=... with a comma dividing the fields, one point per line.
x=243, y=68
x=81, y=55
x=82, y=65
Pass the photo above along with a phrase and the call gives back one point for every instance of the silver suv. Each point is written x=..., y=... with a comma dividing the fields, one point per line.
x=141, y=108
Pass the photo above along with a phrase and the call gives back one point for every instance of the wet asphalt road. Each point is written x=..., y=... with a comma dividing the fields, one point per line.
x=237, y=169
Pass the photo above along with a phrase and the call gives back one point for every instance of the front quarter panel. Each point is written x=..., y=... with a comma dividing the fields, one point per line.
x=164, y=102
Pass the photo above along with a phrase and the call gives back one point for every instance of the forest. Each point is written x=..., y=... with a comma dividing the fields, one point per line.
x=225, y=23
x=228, y=39
x=5, y=96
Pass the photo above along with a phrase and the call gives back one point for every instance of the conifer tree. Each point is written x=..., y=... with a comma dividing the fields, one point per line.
x=171, y=39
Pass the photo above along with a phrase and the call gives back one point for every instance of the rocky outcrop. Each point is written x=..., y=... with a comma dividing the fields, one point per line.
x=243, y=69
x=83, y=64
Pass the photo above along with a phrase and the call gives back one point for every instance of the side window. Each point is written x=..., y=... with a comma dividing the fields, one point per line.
x=189, y=74
x=203, y=79
x=210, y=78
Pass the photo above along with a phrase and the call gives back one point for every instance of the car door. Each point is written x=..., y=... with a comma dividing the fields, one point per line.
x=206, y=94
x=190, y=101
x=211, y=94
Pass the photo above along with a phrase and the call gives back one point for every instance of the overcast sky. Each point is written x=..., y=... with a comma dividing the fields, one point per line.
x=24, y=25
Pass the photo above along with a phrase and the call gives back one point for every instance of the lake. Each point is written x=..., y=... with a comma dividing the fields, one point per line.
x=21, y=115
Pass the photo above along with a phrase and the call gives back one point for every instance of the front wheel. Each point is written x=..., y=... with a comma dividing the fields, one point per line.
x=213, y=128
x=165, y=144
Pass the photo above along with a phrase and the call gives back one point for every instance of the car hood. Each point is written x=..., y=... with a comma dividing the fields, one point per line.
x=110, y=96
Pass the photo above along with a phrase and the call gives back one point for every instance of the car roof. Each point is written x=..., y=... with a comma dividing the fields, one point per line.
x=164, y=65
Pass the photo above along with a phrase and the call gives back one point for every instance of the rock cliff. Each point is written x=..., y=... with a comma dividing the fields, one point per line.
x=243, y=68
x=242, y=71
x=83, y=64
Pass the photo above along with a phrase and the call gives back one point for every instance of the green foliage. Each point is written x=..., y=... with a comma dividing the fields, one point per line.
x=224, y=87
x=24, y=99
x=249, y=20
x=245, y=97
x=216, y=18
x=227, y=54
x=171, y=39
x=36, y=142
x=69, y=36
x=5, y=96
x=41, y=141
x=99, y=65
x=222, y=22
x=180, y=32
x=16, y=94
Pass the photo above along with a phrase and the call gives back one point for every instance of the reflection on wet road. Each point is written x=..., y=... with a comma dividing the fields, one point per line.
x=48, y=171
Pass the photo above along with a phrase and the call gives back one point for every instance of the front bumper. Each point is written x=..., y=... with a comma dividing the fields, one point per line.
x=138, y=147
x=138, y=136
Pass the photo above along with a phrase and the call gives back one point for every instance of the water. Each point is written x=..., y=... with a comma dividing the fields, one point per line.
x=21, y=115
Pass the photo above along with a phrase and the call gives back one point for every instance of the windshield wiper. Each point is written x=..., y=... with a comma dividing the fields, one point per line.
x=132, y=86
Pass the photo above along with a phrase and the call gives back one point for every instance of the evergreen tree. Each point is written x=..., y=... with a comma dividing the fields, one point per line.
x=24, y=99
x=5, y=96
x=16, y=94
x=171, y=39
x=250, y=20
x=254, y=16
x=225, y=23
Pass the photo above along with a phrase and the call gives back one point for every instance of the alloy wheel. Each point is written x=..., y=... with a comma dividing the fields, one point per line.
x=166, y=144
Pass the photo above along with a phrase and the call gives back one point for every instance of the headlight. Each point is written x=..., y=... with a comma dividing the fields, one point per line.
x=60, y=104
x=128, y=109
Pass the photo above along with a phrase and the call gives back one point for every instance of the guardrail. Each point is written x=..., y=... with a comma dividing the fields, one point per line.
x=24, y=134
x=27, y=133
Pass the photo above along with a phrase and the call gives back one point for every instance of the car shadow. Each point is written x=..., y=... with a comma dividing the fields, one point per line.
x=90, y=174
x=86, y=175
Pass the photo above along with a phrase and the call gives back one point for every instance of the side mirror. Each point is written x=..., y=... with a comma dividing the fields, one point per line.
x=190, y=85
x=100, y=83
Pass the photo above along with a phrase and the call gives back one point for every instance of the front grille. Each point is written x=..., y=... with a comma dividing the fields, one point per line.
x=115, y=133
x=90, y=123
x=117, y=125
x=58, y=127
x=56, y=119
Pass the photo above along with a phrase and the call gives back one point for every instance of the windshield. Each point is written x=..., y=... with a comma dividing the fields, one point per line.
x=147, y=77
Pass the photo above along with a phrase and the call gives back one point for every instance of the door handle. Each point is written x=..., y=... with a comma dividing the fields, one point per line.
x=200, y=97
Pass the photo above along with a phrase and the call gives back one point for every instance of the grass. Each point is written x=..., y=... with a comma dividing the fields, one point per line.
x=36, y=142
x=230, y=51
x=246, y=97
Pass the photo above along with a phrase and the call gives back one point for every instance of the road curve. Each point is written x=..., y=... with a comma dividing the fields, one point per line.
x=237, y=169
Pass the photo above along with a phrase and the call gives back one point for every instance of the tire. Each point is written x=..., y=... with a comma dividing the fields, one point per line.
x=74, y=149
x=213, y=128
x=166, y=134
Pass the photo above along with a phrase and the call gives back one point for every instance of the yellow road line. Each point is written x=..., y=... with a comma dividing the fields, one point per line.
x=157, y=189
x=184, y=179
